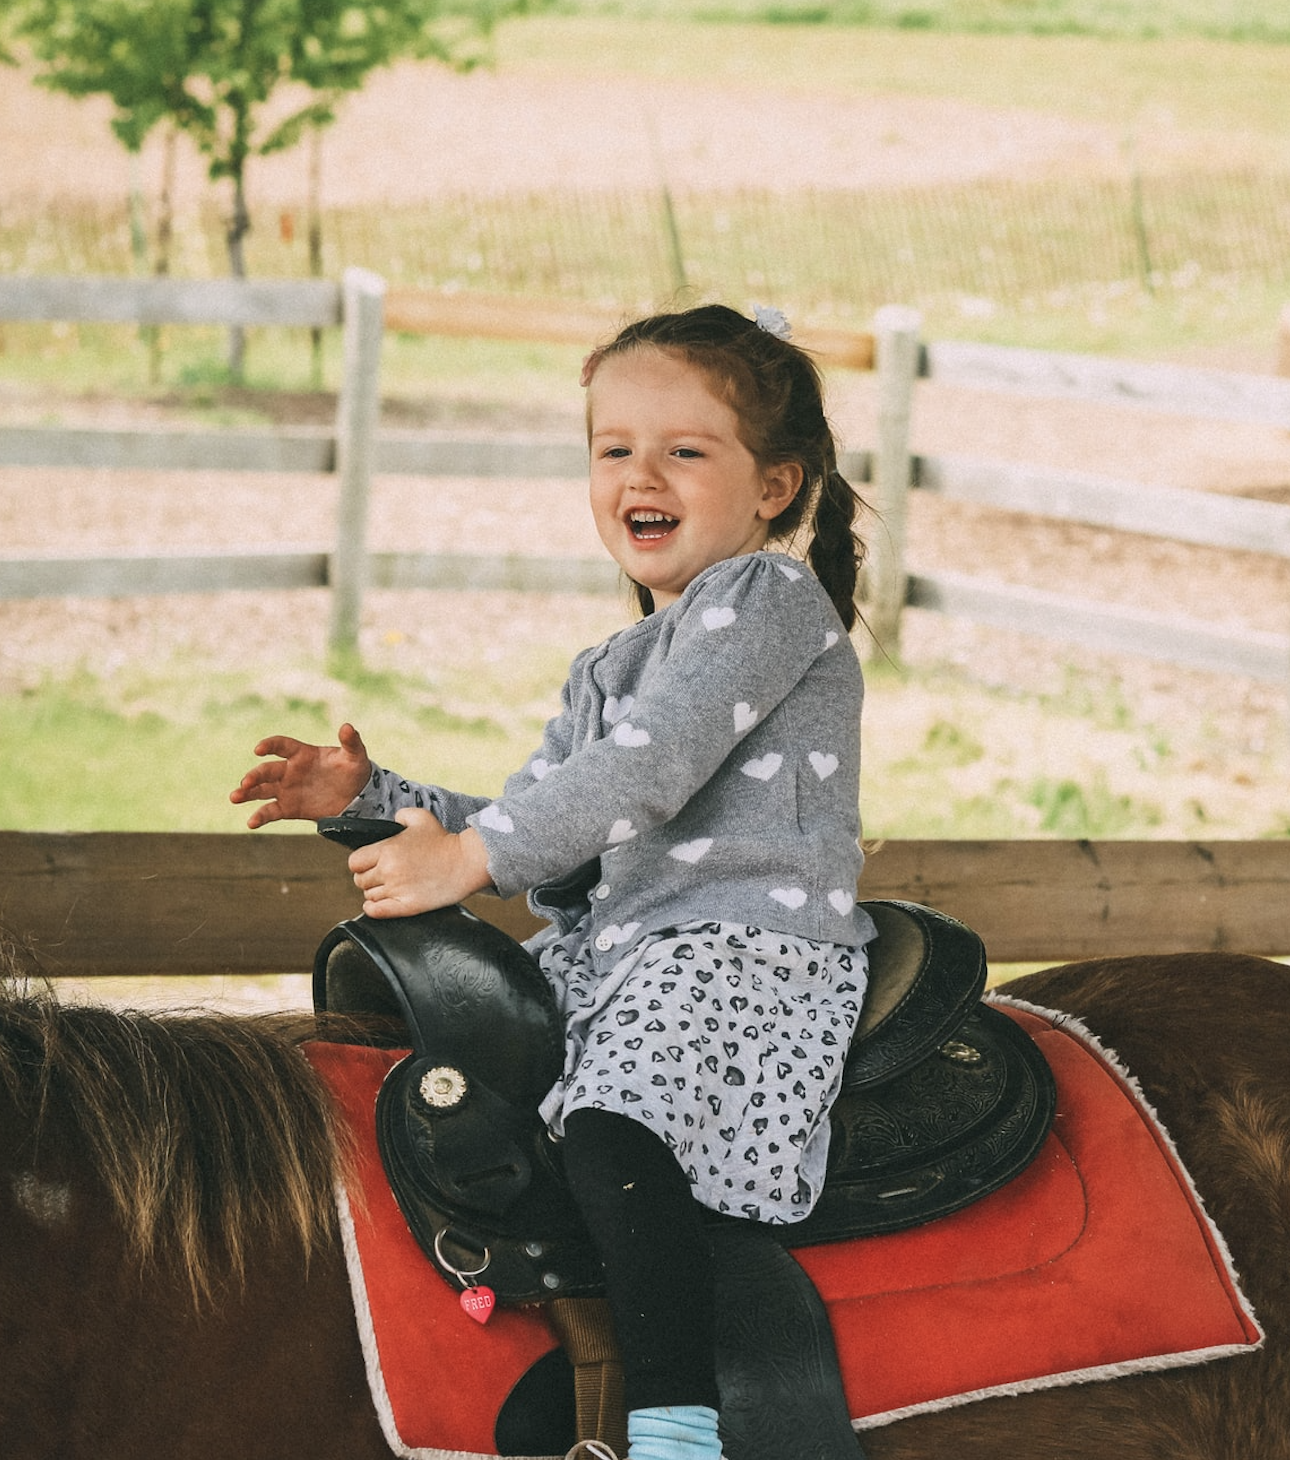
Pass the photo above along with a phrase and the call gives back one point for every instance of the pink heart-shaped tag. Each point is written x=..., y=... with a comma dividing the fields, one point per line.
x=479, y=1303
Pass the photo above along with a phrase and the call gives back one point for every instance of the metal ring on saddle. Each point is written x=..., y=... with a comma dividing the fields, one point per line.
x=463, y=1276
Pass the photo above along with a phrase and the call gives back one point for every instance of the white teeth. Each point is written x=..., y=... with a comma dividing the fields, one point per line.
x=650, y=517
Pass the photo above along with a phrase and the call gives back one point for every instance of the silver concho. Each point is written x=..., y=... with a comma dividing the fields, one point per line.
x=443, y=1087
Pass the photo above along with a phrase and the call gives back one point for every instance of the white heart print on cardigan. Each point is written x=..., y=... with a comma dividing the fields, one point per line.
x=764, y=768
x=793, y=897
x=496, y=819
x=632, y=736
x=613, y=936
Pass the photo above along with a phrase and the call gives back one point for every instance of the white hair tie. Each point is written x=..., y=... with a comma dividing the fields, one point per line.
x=773, y=321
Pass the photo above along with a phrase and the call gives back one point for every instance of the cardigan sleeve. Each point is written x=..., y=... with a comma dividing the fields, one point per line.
x=387, y=791
x=737, y=642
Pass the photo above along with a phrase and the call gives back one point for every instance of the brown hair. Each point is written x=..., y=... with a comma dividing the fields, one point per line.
x=775, y=390
x=208, y=1133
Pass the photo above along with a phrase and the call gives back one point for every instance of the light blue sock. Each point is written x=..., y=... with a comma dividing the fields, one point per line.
x=673, y=1432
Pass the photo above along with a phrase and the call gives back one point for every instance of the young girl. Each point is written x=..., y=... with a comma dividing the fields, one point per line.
x=688, y=827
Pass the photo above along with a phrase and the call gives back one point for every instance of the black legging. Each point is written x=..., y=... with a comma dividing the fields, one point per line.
x=650, y=1235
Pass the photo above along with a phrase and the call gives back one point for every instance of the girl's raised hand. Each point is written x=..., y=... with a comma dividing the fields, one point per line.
x=304, y=782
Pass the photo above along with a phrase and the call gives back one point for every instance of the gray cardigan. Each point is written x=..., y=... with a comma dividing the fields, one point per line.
x=704, y=766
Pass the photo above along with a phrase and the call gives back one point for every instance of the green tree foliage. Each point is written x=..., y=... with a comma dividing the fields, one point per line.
x=243, y=78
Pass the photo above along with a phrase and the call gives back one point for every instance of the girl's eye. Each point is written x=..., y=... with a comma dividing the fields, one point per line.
x=688, y=453
x=617, y=451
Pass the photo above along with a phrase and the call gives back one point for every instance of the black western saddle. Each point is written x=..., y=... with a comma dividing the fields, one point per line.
x=943, y=1100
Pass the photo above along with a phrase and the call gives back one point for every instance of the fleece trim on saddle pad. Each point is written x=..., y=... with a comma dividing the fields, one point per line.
x=1098, y=1260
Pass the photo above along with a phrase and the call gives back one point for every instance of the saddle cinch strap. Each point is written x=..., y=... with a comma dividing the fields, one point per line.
x=943, y=1099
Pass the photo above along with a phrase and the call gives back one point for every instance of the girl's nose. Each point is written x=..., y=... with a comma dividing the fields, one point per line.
x=644, y=475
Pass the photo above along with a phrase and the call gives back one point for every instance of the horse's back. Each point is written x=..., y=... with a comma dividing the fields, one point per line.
x=1205, y=1035
x=1189, y=1026
x=1186, y=996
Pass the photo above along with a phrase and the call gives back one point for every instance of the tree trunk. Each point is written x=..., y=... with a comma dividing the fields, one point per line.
x=316, y=243
x=139, y=248
x=138, y=216
x=166, y=202
x=239, y=225
x=165, y=239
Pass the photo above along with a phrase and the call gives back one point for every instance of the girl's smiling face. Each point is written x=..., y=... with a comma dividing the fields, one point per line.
x=673, y=487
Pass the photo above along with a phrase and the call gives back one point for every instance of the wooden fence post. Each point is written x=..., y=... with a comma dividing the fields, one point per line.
x=357, y=413
x=896, y=329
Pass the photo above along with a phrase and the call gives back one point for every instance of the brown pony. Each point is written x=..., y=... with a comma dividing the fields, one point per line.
x=172, y=1287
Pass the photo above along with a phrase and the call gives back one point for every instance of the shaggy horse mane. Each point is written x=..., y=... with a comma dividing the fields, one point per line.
x=207, y=1132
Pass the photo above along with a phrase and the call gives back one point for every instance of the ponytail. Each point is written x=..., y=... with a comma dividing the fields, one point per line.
x=836, y=552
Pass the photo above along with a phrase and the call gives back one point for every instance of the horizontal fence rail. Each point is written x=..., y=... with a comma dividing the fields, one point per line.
x=353, y=451
x=309, y=449
x=1206, y=518
x=508, y=317
x=312, y=303
x=1196, y=517
x=301, y=449
x=1174, y=389
x=108, y=903
x=1112, y=630
x=236, y=572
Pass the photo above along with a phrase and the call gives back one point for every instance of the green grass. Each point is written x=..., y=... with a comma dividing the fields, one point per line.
x=158, y=747
x=49, y=365
x=1051, y=263
x=1249, y=20
x=1182, y=79
x=948, y=757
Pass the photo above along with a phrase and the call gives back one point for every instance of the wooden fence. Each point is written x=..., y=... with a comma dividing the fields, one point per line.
x=355, y=304
x=1170, y=512
x=354, y=450
x=136, y=903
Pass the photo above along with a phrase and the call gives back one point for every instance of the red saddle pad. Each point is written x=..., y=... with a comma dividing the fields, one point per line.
x=1098, y=1258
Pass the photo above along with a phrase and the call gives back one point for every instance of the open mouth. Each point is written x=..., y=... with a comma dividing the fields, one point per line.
x=650, y=526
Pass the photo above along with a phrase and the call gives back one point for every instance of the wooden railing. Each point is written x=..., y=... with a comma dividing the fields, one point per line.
x=88, y=904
